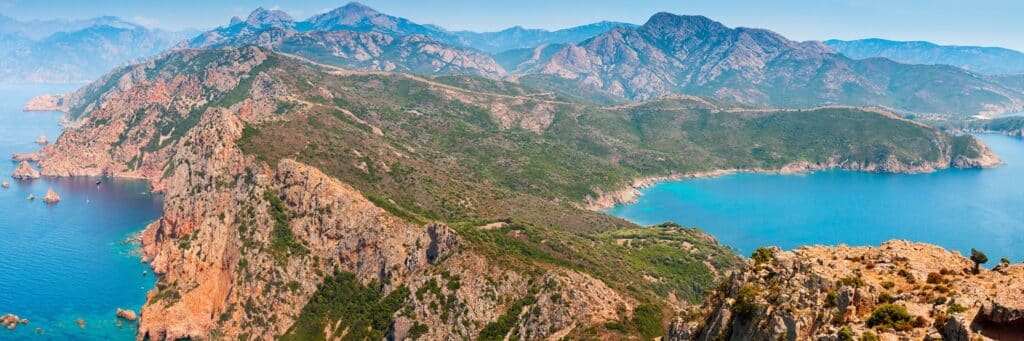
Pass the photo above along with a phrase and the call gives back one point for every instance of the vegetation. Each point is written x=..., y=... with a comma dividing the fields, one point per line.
x=761, y=255
x=890, y=316
x=498, y=329
x=978, y=258
x=746, y=304
x=364, y=312
x=282, y=242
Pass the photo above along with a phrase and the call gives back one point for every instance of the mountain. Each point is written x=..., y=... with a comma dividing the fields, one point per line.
x=988, y=60
x=354, y=36
x=305, y=201
x=673, y=54
x=75, y=51
x=522, y=38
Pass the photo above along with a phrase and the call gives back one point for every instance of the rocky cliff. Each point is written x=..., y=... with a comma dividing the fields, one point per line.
x=899, y=290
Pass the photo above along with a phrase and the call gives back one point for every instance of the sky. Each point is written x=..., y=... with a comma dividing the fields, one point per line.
x=960, y=22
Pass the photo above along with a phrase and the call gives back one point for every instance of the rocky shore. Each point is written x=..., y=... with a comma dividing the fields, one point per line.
x=897, y=291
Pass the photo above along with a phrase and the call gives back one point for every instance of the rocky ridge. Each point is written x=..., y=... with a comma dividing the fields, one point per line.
x=820, y=292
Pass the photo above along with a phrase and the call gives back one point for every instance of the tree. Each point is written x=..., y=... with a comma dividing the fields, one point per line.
x=978, y=258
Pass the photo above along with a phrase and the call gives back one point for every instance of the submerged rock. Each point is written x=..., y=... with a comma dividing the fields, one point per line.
x=51, y=197
x=31, y=197
x=25, y=171
x=11, y=321
x=80, y=322
x=126, y=314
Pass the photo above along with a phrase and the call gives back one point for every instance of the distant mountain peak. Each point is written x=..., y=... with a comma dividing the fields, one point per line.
x=664, y=21
x=262, y=17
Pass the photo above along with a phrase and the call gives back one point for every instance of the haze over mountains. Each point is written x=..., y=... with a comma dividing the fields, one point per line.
x=989, y=60
x=668, y=55
x=62, y=51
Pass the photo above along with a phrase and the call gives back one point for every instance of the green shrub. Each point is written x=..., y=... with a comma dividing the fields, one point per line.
x=851, y=281
x=647, y=318
x=746, y=301
x=956, y=308
x=761, y=255
x=890, y=315
x=845, y=334
x=869, y=336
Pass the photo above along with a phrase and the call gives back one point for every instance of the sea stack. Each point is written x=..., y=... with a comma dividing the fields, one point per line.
x=126, y=314
x=42, y=140
x=6, y=184
x=51, y=197
x=25, y=171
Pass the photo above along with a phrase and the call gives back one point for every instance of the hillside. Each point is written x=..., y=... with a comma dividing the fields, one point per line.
x=1011, y=125
x=392, y=204
x=899, y=290
x=987, y=60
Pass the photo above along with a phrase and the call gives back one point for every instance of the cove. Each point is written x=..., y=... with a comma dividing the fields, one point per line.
x=72, y=260
x=955, y=209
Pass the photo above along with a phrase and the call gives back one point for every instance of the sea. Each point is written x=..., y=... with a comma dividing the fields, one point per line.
x=76, y=260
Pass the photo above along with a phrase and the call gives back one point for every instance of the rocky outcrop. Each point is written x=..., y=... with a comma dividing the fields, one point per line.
x=25, y=171
x=814, y=292
x=11, y=321
x=46, y=102
x=42, y=140
x=126, y=314
x=6, y=185
x=51, y=197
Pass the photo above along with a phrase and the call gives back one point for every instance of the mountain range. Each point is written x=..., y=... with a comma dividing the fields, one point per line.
x=63, y=51
x=668, y=55
x=988, y=60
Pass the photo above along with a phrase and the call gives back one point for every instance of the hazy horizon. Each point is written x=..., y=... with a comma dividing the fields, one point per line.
x=946, y=22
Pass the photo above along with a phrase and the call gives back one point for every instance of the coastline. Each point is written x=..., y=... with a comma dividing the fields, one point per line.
x=630, y=193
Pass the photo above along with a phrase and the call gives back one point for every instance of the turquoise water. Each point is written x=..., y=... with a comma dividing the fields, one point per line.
x=957, y=209
x=67, y=261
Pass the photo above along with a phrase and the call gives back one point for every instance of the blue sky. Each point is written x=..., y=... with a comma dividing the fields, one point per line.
x=977, y=22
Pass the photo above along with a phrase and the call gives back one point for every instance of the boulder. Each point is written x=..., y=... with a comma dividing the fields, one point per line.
x=25, y=171
x=42, y=140
x=51, y=197
x=126, y=314
x=6, y=184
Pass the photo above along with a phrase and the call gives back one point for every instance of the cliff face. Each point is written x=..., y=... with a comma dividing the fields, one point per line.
x=828, y=292
x=218, y=247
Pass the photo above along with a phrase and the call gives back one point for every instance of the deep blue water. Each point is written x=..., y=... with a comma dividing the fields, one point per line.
x=62, y=262
x=956, y=209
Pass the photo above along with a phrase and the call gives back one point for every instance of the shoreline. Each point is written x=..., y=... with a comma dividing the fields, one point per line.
x=631, y=192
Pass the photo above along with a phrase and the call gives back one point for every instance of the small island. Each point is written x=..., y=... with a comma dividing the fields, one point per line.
x=25, y=171
x=51, y=197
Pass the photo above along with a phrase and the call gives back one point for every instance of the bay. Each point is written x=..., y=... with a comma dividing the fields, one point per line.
x=957, y=209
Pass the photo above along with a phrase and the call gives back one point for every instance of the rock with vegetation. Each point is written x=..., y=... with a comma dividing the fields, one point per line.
x=440, y=207
x=897, y=290
x=25, y=171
